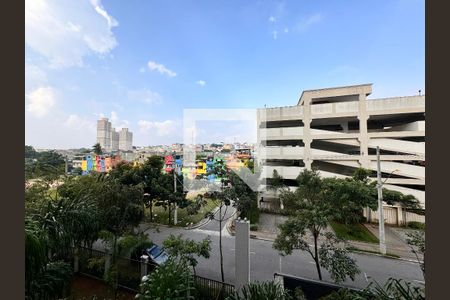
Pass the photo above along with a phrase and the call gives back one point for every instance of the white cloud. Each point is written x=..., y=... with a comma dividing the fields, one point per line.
x=34, y=76
x=118, y=123
x=40, y=101
x=275, y=34
x=80, y=123
x=201, y=82
x=305, y=24
x=272, y=19
x=153, y=66
x=144, y=95
x=65, y=31
x=162, y=128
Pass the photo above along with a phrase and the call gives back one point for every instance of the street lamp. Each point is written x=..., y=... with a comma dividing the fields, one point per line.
x=380, y=203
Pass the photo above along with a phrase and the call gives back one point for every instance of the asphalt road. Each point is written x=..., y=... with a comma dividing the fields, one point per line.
x=265, y=261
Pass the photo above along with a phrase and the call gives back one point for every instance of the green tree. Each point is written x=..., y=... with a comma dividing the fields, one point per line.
x=47, y=164
x=97, y=149
x=187, y=249
x=349, y=197
x=121, y=207
x=416, y=240
x=44, y=279
x=311, y=213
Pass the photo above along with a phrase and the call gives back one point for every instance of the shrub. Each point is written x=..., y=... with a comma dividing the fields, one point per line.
x=254, y=227
x=172, y=280
x=416, y=225
x=261, y=290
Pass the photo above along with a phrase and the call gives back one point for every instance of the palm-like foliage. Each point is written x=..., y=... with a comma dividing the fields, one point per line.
x=171, y=281
x=261, y=290
x=97, y=149
x=43, y=279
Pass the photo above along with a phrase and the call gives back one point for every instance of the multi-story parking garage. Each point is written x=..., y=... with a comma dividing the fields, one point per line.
x=336, y=130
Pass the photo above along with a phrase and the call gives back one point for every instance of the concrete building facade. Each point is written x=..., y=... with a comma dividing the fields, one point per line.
x=125, y=140
x=114, y=140
x=336, y=130
x=111, y=140
x=104, y=133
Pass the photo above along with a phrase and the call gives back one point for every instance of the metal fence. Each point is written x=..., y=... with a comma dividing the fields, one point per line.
x=209, y=289
x=93, y=263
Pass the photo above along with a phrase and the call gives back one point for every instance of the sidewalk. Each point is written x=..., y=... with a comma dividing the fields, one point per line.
x=395, y=237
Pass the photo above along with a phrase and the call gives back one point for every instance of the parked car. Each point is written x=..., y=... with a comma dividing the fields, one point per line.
x=157, y=255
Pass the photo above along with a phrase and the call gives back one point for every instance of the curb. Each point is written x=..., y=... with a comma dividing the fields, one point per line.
x=385, y=256
x=353, y=251
x=200, y=224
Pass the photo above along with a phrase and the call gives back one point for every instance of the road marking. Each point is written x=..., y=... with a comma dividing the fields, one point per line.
x=251, y=252
x=365, y=275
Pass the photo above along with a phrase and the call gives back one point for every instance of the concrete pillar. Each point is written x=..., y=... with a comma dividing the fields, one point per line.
x=307, y=140
x=76, y=261
x=363, y=138
x=144, y=265
x=279, y=280
x=107, y=264
x=175, y=215
x=242, y=253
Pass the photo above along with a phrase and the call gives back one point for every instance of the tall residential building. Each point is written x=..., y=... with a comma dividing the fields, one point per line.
x=111, y=140
x=104, y=133
x=125, y=139
x=114, y=140
x=336, y=130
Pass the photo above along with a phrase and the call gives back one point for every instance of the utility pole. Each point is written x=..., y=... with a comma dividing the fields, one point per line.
x=380, y=205
x=175, y=214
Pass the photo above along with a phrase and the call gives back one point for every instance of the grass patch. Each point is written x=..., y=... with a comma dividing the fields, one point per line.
x=162, y=215
x=353, y=232
x=416, y=225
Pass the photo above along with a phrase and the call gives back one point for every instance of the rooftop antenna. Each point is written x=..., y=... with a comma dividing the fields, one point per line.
x=420, y=92
x=265, y=106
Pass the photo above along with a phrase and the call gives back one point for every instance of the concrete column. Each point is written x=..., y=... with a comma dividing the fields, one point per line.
x=307, y=140
x=76, y=261
x=363, y=138
x=279, y=279
x=242, y=253
x=107, y=264
x=144, y=265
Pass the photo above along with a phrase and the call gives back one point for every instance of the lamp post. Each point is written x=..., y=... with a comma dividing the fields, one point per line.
x=380, y=203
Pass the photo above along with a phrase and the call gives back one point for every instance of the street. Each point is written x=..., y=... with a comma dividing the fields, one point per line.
x=265, y=261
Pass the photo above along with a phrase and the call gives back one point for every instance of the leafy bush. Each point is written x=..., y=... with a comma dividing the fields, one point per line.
x=394, y=289
x=254, y=227
x=172, y=280
x=416, y=225
x=261, y=290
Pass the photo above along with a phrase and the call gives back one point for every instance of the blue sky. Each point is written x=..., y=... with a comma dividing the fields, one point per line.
x=140, y=63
